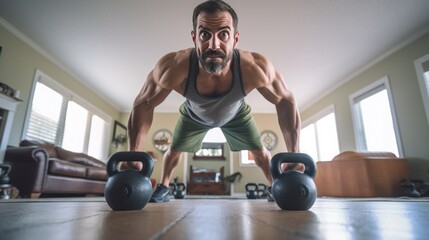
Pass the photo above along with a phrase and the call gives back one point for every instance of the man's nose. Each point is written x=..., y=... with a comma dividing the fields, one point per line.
x=214, y=43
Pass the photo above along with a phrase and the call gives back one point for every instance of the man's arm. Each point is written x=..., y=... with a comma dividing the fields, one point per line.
x=141, y=116
x=158, y=85
x=275, y=91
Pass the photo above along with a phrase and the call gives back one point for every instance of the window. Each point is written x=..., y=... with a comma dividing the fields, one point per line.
x=422, y=68
x=212, y=147
x=374, y=119
x=246, y=158
x=319, y=137
x=210, y=151
x=58, y=116
x=214, y=135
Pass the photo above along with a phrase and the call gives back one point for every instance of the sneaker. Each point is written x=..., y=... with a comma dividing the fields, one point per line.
x=161, y=194
x=269, y=195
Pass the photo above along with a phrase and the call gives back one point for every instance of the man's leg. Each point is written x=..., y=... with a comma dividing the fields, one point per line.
x=170, y=161
x=262, y=159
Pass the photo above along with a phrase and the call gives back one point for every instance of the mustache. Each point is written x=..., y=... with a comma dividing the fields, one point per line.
x=210, y=53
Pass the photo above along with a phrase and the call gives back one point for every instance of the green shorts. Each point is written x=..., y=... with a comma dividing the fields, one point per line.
x=241, y=132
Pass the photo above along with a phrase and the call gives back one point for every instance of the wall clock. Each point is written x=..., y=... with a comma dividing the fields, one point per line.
x=269, y=139
x=162, y=139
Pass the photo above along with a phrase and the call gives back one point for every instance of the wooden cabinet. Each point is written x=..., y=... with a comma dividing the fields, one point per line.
x=206, y=188
x=206, y=183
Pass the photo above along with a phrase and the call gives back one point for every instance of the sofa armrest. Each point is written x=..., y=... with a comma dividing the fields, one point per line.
x=29, y=166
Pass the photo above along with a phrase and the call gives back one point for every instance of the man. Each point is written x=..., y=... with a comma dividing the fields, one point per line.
x=214, y=77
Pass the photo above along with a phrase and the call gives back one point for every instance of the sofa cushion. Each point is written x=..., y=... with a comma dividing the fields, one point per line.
x=96, y=173
x=65, y=168
x=49, y=147
x=80, y=158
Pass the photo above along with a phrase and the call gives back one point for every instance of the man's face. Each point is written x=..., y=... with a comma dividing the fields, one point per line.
x=214, y=40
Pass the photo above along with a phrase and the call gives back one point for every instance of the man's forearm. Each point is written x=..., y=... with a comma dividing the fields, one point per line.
x=138, y=126
x=290, y=124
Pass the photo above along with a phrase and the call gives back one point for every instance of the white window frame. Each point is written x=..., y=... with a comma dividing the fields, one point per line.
x=316, y=117
x=382, y=83
x=244, y=159
x=43, y=78
x=423, y=87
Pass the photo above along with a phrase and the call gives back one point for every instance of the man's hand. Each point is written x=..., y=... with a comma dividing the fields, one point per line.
x=131, y=165
x=293, y=166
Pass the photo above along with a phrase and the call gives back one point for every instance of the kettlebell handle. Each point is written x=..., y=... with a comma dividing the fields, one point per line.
x=145, y=158
x=279, y=158
x=4, y=169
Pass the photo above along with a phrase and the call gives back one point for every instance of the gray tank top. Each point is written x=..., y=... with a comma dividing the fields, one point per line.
x=214, y=111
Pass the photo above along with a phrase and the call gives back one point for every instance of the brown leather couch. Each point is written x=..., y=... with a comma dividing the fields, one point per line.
x=39, y=167
x=361, y=174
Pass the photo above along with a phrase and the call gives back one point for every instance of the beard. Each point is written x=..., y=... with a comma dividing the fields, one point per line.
x=212, y=65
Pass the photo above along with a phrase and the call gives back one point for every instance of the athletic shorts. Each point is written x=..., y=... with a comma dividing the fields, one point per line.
x=241, y=132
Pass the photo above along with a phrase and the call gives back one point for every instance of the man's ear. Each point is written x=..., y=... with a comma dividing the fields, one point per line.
x=193, y=36
x=236, y=37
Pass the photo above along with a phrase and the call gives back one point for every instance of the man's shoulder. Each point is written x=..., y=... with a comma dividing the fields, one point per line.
x=172, y=68
x=172, y=59
x=256, y=69
x=252, y=60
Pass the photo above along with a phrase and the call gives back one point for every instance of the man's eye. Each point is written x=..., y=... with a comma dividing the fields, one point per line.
x=224, y=35
x=204, y=35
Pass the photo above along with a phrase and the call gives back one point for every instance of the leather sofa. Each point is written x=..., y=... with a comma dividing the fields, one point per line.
x=361, y=174
x=39, y=167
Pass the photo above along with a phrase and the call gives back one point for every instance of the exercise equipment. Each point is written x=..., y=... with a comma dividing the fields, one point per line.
x=252, y=191
x=172, y=189
x=128, y=189
x=180, y=191
x=293, y=190
x=262, y=190
x=7, y=191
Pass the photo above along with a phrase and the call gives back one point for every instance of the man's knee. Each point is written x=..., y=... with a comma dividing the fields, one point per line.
x=172, y=155
x=260, y=155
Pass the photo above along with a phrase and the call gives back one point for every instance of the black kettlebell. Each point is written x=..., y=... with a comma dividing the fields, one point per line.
x=252, y=191
x=262, y=190
x=128, y=189
x=293, y=190
x=172, y=189
x=4, y=173
x=180, y=191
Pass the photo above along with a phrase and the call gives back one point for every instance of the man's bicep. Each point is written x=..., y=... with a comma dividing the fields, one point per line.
x=152, y=93
x=276, y=90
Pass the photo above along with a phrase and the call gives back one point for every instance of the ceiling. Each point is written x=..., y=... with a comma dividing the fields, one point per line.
x=111, y=45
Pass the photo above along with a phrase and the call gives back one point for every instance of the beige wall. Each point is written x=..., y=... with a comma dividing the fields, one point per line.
x=413, y=124
x=18, y=63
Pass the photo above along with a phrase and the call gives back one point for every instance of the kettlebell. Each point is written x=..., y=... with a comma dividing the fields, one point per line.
x=252, y=191
x=128, y=189
x=262, y=190
x=172, y=189
x=180, y=191
x=4, y=173
x=293, y=190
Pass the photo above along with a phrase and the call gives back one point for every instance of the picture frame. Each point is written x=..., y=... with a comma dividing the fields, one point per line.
x=119, y=136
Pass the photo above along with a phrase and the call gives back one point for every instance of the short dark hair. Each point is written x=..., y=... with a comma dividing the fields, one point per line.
x=212, y=6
